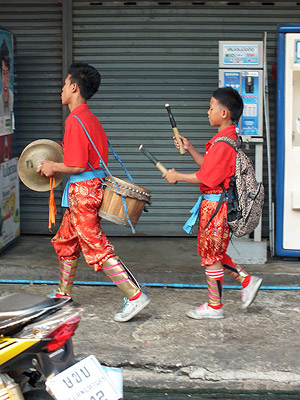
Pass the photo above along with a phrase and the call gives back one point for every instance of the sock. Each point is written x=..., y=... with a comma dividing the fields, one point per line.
x=62, y=295
x=67, y=271
x=246, y=281
x=214, y=281
x=235, y=270
x=115, y=270
x=135, y=297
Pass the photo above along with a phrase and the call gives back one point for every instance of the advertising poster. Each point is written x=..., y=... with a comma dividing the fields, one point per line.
x=6, y=94
x=9, y=203
x=9, y=180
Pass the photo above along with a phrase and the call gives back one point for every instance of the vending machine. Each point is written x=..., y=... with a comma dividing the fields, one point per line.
x=287, y=240
x=241, y=67
x=9, y=181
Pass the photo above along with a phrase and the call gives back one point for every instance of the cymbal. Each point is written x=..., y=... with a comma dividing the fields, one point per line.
x=31, y=157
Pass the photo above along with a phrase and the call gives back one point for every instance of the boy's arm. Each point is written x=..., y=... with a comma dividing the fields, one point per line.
x=172, y=176
x=49, y=168
x=197, y=157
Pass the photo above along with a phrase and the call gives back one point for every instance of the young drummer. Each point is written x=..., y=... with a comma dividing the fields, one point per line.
x=217, y=166
x=80, y=229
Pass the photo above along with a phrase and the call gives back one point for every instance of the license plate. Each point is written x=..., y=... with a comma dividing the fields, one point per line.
x=87, y=380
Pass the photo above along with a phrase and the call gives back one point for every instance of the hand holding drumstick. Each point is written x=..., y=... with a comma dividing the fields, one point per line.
x=187, y=145
x=174, y=128
x=185, y=142
x=171, y=176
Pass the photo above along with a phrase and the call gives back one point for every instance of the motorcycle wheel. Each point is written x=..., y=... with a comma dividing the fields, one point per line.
x=37, y=394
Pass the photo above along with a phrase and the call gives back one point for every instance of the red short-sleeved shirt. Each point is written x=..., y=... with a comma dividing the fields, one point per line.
x=78, y=150
x=219, y=162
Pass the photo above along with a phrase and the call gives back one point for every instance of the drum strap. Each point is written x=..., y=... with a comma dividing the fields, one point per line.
x=102, y=164
x=116, y=157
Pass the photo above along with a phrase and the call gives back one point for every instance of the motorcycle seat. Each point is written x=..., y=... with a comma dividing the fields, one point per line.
x=18, y=304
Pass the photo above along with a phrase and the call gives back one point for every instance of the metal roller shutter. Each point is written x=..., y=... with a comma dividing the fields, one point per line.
x=149, y=53
x=37, y=26
x=156, y=52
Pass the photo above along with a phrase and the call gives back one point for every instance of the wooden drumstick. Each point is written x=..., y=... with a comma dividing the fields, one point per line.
x=151, y=157
x=175, y=129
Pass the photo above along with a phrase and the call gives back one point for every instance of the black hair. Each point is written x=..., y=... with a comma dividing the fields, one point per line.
x=4, y=54
x=231, y=99
x=86, y=77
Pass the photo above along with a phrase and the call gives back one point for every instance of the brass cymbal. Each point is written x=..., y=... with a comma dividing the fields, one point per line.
x=31, y=157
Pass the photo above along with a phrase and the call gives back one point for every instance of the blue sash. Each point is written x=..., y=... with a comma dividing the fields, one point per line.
x=188, y=226
x=83, y=176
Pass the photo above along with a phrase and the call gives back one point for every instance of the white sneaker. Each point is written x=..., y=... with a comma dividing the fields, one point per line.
x=131, y=308
x=249, y=293
x=204, y=312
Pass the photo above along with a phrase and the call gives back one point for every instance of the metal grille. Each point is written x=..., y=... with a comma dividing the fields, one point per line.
x=37, y=28
x=149, y=53
x=156, y=52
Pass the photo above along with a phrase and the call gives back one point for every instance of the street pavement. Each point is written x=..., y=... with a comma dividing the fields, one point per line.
x=256, y=349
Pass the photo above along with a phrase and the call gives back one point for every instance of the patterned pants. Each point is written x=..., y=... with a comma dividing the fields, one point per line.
x=80, y=229
x=213, y=241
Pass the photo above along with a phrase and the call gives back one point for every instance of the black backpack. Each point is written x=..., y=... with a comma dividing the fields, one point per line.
x=245, y=196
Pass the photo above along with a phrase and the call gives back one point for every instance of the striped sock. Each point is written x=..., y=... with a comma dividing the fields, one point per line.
x=235, y=270
x=214, y=281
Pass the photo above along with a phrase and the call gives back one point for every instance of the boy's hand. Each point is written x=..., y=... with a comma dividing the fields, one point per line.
x=186, y=143
x=171, y=176
x=46, y=168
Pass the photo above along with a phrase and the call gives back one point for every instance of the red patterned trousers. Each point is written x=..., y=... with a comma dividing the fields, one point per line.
x=80, y=229
x=213, y=241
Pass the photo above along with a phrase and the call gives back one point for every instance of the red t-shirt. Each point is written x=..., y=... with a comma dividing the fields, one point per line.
x=78, y=150
x=219, y=162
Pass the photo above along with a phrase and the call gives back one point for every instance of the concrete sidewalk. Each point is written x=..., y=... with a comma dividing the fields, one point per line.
x=161, y=347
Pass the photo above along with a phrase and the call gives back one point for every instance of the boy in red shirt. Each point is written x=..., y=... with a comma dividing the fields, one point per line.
x=217, y=166
x=80, y=229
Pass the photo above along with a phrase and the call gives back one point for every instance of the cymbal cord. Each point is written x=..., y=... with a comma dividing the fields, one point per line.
x=52, y=204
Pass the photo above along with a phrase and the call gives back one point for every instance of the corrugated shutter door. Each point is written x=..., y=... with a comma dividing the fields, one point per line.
x=148, y=56
x=36, y=26
x=151, y=53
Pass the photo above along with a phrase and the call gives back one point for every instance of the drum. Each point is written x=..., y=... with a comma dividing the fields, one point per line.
x=112, y=208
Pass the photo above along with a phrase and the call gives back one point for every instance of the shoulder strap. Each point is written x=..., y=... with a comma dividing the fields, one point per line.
x=234, y=144
x=222, y=197
x=121, y=162
x=101, y=160
x=109, y=173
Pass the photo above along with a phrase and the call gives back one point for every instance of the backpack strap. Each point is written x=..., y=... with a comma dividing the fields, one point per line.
x=230, y=193
x=222, y=198
x=234, y=144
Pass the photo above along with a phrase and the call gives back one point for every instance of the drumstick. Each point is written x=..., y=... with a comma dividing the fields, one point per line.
x=151, y=157
x=175, y=129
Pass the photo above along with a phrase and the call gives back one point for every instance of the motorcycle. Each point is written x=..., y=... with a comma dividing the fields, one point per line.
x=35, y=343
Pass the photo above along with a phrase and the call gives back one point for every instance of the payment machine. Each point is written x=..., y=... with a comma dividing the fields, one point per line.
x=241, y=67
